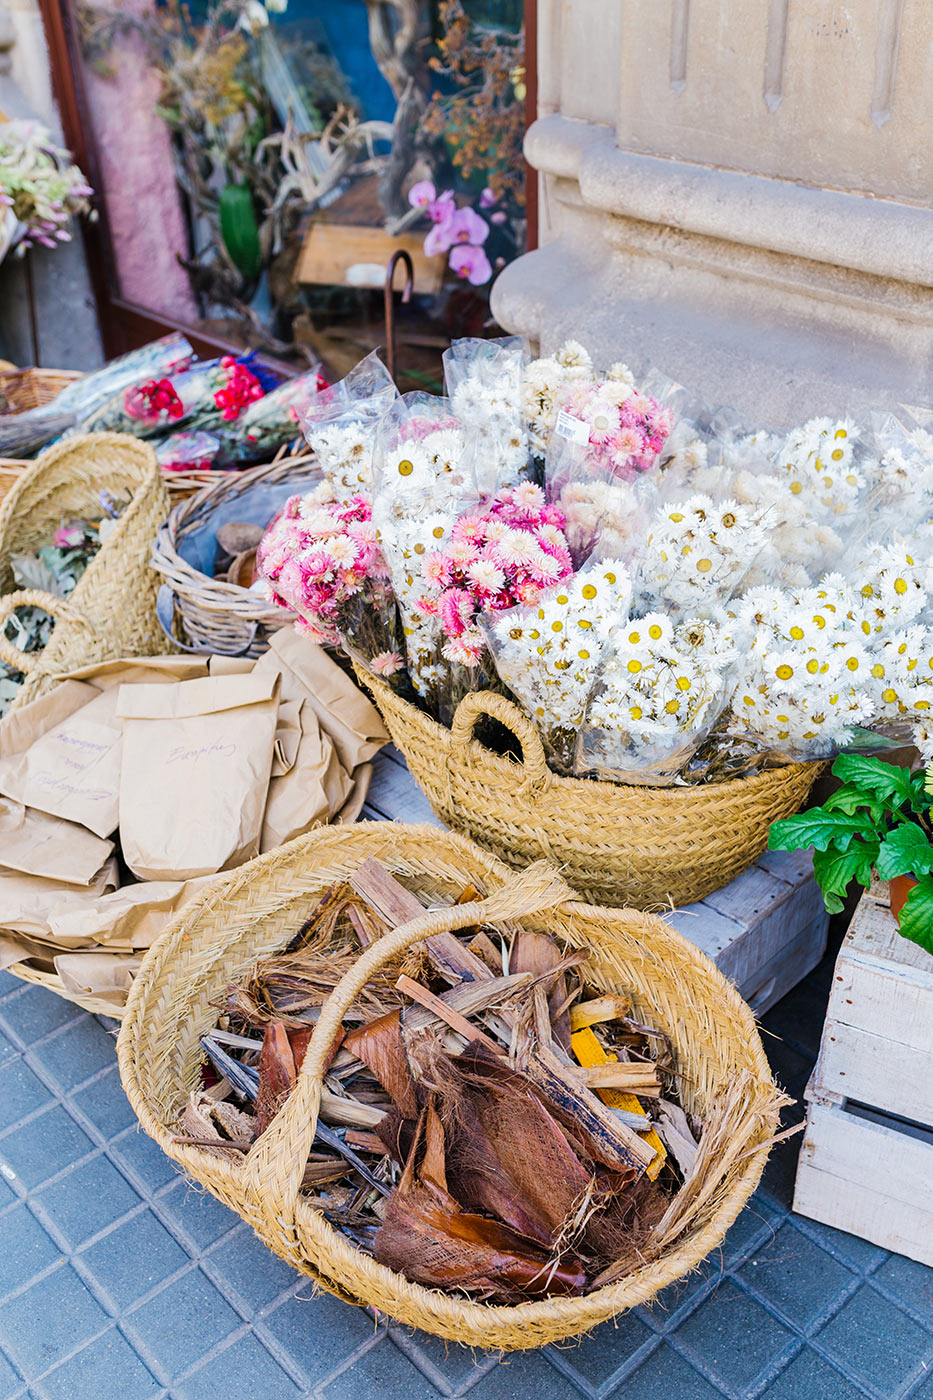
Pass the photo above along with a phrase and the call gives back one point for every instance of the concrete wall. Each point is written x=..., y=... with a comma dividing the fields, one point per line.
x=738, y=191
x=66, y=316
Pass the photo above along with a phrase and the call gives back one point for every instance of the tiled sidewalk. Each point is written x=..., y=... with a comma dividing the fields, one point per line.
x=119, y=1281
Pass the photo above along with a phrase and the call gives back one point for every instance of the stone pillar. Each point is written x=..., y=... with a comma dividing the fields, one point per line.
x=739, y=192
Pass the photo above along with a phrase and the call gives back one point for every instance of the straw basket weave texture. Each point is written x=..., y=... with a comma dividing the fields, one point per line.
x=643, y=846
x=111, y=612
x=257, y=910
x=218, y=616
x=23, y=389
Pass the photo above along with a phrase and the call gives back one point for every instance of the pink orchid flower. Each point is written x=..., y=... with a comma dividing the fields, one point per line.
x=422, y=194
x=442, y=209
x=466, y=226
x=471, y=264
x=487, y=199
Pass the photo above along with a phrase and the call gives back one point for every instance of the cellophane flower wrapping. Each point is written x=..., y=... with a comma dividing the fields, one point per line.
x=483, y=380
x=544, y=383
x=422, y=482
x=660, y=689
x=269, y=424
x=606, y=436
x=547, y=653
x=340, y=425
x=204, y=397
x=510, y=550
x=322, y=561
x=22, y=433
x=186, y=452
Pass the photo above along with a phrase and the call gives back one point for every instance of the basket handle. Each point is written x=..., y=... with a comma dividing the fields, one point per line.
x=275, y=1163
x=536, y=773
x=165, y=612
x=59, y=608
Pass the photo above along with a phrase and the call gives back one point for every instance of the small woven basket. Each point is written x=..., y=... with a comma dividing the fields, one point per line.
x=256, y=910
x=111, y=612
x=643, y=846
x=22, y=389
x=214, y=615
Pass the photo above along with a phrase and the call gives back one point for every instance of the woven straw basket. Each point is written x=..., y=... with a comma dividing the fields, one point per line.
x=22, y=389
x=642, y=846
x=111, y=612
x=215, y=615
x=256, y=911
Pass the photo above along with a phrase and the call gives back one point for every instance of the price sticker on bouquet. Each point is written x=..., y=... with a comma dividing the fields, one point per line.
x=573, y=429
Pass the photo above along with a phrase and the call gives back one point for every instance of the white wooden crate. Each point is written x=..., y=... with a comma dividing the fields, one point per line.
x=877, y=1045
x=765, y=931
x=868, y=1173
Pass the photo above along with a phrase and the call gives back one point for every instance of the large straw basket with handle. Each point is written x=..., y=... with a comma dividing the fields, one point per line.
x=111, y=612
x=723, y=1074
x=644, y=846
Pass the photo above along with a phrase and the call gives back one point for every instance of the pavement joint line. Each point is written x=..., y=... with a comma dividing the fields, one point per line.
x=482, y=1370
x=349, y=1361
x=812, y=1229
x=890, y=1296
x=235, y=1335
x=25, y=1046
x=756, y=1385
x=409, y=1348
x=38, y=1209
x=921, y=1380
x=817, y=1323
x=862, y=1382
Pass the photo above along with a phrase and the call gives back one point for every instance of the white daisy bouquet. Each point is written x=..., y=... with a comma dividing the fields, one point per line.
x=423, y=482
x=322, y=561
x=548, y=652
x=661, y=687
x=340, y=425
x=483, y=379
x=545, y=382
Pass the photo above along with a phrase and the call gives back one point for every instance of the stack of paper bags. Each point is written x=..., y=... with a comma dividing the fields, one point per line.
x=127, y=788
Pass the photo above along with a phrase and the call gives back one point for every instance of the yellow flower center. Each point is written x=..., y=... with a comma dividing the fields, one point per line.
x=405, y=468
x=588, y=591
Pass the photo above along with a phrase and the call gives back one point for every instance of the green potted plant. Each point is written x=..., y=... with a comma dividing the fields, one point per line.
x=880, y=818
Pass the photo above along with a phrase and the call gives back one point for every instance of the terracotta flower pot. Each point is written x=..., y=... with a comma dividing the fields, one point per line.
x=898, y=890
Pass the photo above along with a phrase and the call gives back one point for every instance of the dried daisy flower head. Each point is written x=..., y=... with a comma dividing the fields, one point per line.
x=544, y=382
x=821, y=462
x=548, y=653
x=484, y=381
x=697, y=553
x=661, y=687
x=340, y=425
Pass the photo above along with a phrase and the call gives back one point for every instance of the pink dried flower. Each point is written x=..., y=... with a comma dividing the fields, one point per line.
x=386, y=663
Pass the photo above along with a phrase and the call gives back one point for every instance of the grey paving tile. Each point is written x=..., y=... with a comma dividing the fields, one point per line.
x=799, y=1278
x=911, y=1282
x=44, y=1147
x=9, y=984
x=669, y=1307
x=132, y=1259
x=7, y=1194
x=318, y=1334
x=809, y=1377
x=144, y=1159
x=183, y=1322
x=523, y=1375
x=242, y=1265
x=876, y=1341
x=86, y=1200
x=197, y=1213
x=108, y=1369
x=733, y=1338
x=8, y=1050
x=383, y=1370
x=26, y=1249
x=861, y=1254
x=48, y=1321
x=666, y=1376
x=244, y=1371
x=21, y=1093
x=79, y=1052
x=105, y=1104
x=35, y=1013
x=458, y=1365
x=10, y=1382
x=604, y=1352
x=925, y=1391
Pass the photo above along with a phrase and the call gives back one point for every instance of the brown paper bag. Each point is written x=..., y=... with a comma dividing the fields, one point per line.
x=144, y=670
x=36, y=844
x=72, y=770
x=355, y=803
x=131, y=917
x=106, y=976
x=28, y=904
x=343, y=712
x=196, y=763
x=310, y=791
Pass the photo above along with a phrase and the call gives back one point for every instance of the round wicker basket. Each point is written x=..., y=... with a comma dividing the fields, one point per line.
x=215, y=615
x=111, y=612
x=649, y=847
x=724, y=1074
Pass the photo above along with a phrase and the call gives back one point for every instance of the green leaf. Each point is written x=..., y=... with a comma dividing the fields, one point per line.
x=851, y=799
x=239, y=229
x=916, y=917
x=835, y=870
x=905, y=851
x=885, y=780
x=817, y=828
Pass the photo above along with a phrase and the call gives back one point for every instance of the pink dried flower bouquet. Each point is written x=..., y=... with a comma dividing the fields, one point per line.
x=624, y=429
x=510, y=552
x=321, y=559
